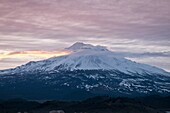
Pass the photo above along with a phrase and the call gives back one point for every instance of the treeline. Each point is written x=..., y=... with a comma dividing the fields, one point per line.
x=102, y=104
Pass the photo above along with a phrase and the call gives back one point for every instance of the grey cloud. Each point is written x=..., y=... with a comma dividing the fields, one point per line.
x=122, y=25
x=144, y=55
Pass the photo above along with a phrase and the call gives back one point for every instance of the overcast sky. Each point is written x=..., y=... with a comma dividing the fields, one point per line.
x=38, y=29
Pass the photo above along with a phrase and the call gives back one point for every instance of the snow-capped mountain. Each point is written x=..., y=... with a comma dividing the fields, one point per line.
x=90, y=70
x=88, y=57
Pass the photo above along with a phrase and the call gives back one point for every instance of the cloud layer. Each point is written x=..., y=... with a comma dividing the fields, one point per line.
x=133, y=26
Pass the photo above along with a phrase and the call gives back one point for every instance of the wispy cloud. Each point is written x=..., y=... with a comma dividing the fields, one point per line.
x=33, y=53
x=143, y=55
x=13, y=59
x=49, y=25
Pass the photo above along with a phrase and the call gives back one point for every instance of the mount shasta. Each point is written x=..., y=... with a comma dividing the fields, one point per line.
x=88, y=71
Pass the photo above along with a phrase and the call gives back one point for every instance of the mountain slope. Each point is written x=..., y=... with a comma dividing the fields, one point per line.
x=88, y=57
x=88, y=71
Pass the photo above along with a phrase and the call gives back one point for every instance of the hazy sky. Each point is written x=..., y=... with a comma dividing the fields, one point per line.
x=38, y=29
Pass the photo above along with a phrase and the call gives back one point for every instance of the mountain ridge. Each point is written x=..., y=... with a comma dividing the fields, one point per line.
x=89, y=57
x=88, y=71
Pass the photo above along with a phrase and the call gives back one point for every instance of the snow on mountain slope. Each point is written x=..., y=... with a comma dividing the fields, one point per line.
x=88, y=70
x=88, y=57
x=81, y=47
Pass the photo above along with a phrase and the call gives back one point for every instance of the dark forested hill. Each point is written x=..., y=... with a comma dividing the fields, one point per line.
x=152, y=104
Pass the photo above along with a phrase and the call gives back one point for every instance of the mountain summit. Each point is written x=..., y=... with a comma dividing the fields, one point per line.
x=88, y=57
x=88, y=70
x=78, y=46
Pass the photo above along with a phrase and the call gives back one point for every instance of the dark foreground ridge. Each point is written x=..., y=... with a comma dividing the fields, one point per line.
x=104, y=104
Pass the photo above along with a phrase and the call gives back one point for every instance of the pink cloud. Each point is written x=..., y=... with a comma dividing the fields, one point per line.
x=53, y=24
